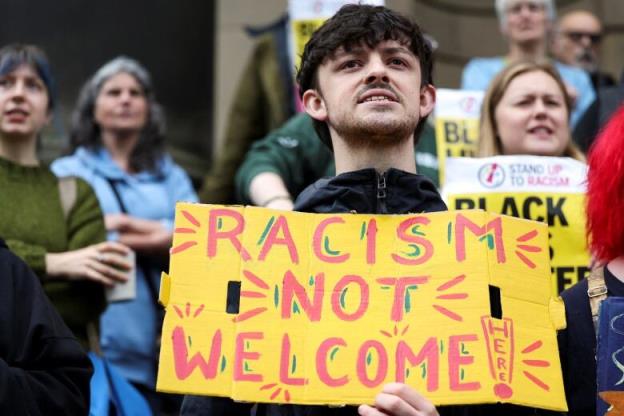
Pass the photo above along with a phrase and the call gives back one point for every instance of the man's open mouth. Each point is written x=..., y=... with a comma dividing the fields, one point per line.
x=377, y=95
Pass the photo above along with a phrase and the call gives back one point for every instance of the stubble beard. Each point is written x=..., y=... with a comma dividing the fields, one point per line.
x=376, y=132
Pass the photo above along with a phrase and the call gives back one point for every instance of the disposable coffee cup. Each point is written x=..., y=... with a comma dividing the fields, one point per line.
x=123, y=291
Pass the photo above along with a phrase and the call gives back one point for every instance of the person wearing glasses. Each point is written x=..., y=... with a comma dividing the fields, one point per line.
x=526, y=26
x=576, y=42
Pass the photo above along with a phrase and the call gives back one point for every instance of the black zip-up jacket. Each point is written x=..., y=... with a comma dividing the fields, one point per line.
x=368, y=192
x=43, y=368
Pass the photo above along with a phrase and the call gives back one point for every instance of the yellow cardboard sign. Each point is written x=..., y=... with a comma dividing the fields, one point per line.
x=545, y=189
x=273, y=306
x=456, y=125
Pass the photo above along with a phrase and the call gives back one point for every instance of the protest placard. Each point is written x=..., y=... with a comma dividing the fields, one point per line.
x=273, y=306
x=547, y=189
x=456, y=124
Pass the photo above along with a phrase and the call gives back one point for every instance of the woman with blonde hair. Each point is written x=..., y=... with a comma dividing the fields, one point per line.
x=526, y=110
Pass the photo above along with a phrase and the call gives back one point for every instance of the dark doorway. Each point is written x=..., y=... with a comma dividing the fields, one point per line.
x=173, y=39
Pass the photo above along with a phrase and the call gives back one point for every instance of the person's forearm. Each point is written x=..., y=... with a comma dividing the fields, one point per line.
x=153, y=243
x=268, y=190
x=105, y=263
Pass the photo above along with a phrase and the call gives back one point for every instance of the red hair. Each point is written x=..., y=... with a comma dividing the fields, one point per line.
x=605, y=191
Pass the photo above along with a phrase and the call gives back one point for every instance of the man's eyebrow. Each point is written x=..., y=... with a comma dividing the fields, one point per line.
x=360, y=50
x=354, y=50
x=397, y=49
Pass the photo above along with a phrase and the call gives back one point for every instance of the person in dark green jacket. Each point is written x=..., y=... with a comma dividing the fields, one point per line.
x=277, y=168
x=265, y=98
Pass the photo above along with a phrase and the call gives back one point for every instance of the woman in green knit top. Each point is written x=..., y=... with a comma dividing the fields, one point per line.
x=56, y=228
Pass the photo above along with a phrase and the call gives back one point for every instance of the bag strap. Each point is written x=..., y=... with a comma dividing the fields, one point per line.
x=68, y=192
x=597, y=292
x=122, y=206
x=141, y=262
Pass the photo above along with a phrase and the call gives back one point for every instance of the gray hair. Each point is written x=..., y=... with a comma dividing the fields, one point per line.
x=501, y=9
x=85, y=131
x=117, y=65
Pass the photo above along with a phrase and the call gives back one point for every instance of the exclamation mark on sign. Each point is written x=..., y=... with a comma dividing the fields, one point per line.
x=499, y=340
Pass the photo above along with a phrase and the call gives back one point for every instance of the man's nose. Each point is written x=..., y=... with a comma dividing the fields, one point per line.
x=586, y=41
x=377, y=71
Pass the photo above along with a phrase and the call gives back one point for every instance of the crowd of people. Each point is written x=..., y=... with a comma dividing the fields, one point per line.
x=99, y=221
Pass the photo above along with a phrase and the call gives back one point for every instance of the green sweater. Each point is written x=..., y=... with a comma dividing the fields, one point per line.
x=33, y=224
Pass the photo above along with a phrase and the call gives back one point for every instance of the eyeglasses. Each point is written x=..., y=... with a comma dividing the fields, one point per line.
x=577, y=37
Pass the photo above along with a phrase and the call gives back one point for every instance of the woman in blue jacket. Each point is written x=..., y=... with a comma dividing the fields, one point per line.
x=117, y=141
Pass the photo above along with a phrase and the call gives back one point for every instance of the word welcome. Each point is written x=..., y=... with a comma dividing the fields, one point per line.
x=251, y=348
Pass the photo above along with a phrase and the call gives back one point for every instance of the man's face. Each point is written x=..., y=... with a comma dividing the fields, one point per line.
x=577, y=41
x=370, y=96
x=527, y=21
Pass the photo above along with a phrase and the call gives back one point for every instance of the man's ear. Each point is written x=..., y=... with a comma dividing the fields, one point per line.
x=314, y=104
x=427, y=99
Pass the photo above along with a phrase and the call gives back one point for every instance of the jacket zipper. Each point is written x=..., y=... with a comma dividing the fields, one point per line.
x=382, y=192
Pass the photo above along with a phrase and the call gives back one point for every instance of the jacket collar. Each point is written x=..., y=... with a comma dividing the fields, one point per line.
x=368, y=192
x=101, y=161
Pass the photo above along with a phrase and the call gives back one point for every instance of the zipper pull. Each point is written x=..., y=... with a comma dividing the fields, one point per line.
x=381, y=186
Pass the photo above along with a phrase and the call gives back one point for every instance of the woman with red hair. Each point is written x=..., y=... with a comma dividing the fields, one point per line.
x=605, y=232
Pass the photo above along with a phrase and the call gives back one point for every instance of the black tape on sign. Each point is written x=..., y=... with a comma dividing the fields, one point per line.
x=496, y=309
x=232, y=303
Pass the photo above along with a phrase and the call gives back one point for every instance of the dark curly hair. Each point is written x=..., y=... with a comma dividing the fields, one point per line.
x=360, y=24
x=86, y=132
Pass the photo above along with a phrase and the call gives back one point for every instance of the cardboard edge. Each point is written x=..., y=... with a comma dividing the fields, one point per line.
x=557, y=313
x=165, y=289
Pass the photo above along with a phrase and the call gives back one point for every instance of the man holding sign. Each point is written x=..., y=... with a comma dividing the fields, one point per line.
x=365, y=78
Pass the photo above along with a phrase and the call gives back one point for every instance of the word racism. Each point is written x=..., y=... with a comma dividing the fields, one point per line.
x=269, y=306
